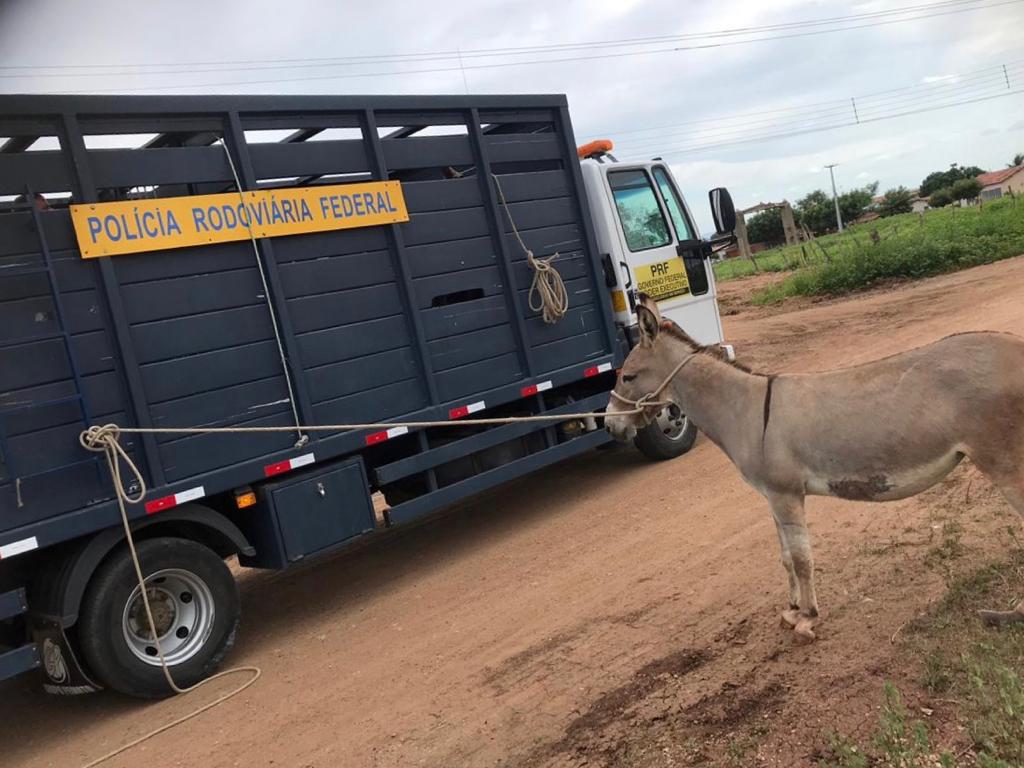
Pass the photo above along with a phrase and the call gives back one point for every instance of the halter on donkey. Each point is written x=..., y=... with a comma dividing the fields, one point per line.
x=884, y=430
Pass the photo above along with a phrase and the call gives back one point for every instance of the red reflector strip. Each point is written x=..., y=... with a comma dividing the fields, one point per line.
x=533, y=389
x=465, y=410
x=287, y=466
x=168, y=502
x=602, y=368
x=18, y=547
x=387, y=434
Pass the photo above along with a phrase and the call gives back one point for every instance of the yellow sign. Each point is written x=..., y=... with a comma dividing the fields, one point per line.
x=133, y=226
x=663, y=280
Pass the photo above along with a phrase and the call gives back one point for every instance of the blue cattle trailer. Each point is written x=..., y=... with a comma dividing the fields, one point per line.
x=119, y=322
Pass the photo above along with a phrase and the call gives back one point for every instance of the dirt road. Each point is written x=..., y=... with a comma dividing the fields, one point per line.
x=607, y=611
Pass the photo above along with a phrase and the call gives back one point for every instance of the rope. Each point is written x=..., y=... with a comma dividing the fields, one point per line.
x=303, y=439
x=105, y=440
x=547, y=292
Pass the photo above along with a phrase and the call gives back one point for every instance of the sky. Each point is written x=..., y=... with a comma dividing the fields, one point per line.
x=671, y=104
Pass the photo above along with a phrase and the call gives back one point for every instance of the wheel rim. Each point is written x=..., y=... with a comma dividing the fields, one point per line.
x=183, y=611
x=672, y=422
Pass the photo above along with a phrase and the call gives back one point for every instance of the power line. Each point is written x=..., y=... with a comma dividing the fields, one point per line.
x=858, y=111
x=286, y=63
x=842, y=104
x=769, y=137
x=592, y=57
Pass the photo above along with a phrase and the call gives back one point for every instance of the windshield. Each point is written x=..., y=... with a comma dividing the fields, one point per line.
x=639, y=213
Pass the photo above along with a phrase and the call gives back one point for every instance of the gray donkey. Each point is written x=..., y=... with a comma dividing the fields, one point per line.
x=875, y=432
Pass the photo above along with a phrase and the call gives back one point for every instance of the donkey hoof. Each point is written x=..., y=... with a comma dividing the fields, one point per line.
x=1000, y=618
x=804, y=630
x=791, y=617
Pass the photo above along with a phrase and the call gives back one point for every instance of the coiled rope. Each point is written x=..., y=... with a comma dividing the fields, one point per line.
x=547, y=292
x=105, y=440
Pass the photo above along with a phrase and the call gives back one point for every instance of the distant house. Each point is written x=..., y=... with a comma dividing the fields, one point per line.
x=1007, y=181
x=918, y=203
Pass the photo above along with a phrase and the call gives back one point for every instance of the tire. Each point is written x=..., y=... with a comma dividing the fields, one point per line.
x=670, y=435
x=189, y=586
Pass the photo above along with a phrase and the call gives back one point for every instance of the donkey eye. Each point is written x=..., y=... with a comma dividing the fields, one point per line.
x=628, y=377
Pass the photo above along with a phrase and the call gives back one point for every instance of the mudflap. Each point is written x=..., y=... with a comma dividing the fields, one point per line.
x=65, y=676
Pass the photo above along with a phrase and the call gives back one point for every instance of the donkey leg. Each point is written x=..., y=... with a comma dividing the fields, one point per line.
x=790, y=616
x=1010, y=482
x=789, y=514
x=1007, y=473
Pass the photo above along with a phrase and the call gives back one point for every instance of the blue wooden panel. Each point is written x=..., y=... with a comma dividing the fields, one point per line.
x=477, y=377
x=184, y=262
x=172, y=379
x=374, y=405
x=196, y=454
x=332, y=381
x=439, y=290
x=547, y=240
x=191, y=295
x=165, y=165
x=444, y=226
x=427, y=152
x=343, y=307
x=441, y=194
x=462, y=318
x=336, y=273
x=278, y=160
x=345, y=342
x=471, y=346
x=178, y=337
x=551, y=357
x=43, y=171
x=28, y=365
x=317, y=244
x=225, y=406
x=441, y=258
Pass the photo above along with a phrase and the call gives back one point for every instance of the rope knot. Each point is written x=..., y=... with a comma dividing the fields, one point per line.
x=107, y=440
x=96, y=438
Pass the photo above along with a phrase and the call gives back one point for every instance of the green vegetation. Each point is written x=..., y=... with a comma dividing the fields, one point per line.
x=946, y=179
x=964, y=664
x=896, y=201
x=905, y=246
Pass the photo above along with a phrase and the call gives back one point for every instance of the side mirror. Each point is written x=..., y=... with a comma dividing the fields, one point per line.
x=722, y=211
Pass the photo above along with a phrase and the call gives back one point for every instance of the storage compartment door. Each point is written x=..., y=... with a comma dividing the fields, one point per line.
x=323, y=510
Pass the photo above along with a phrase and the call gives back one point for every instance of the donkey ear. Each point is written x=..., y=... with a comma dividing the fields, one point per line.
x=643, y=300
x=649, y=325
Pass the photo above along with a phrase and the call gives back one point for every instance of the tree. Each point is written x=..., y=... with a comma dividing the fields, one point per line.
x=818, y=212
x=1018, y=159
x=766, y=227
x=941, y=198
x=898, y=200
x=939, y=179
x=966, y=189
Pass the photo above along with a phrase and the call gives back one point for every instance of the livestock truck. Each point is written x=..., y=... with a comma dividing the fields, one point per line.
x=280, y=261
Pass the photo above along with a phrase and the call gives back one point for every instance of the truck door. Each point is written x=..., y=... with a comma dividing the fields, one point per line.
x=662, y=249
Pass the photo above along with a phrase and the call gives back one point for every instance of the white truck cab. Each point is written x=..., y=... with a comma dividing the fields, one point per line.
x=644, y=225
x=651, y=244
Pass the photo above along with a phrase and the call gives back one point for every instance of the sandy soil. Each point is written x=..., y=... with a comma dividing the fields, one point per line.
x=607, y=611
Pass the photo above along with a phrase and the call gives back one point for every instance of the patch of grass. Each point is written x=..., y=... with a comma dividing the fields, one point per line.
x=944, y=240
x=974, y=667
x=898, y=742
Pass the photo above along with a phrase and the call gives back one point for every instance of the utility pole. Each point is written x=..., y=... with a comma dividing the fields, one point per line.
x=835, y=197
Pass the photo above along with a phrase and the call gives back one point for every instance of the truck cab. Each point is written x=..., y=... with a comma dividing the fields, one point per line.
x=645, y=228
x=650, y=244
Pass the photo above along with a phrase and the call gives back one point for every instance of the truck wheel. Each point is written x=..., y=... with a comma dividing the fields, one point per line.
x=671, y=434
x=195, y=606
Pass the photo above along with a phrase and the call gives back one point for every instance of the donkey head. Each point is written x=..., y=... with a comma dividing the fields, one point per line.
x=642, y=374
